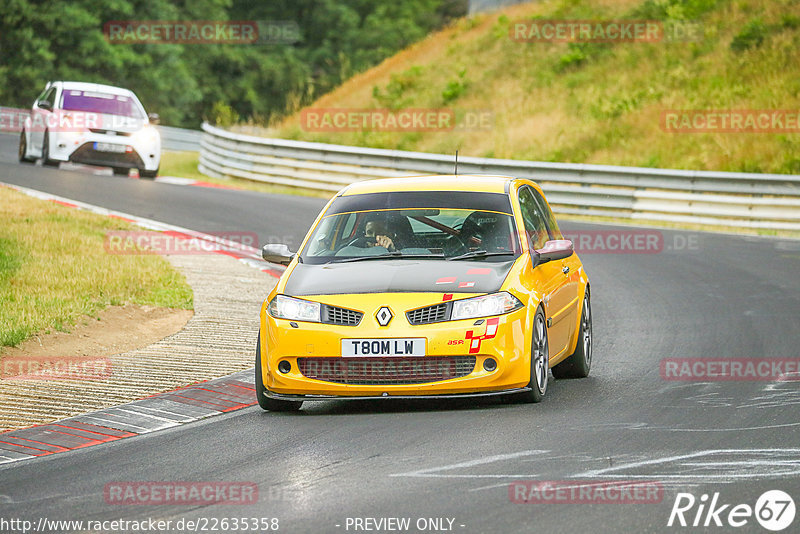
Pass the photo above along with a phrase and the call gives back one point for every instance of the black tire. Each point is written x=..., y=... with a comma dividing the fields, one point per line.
x=46, y=161
x=23, y=147
x=121, y=171
x=148, y=174
x=540, y=360
x=579, y=363
x=265, y=402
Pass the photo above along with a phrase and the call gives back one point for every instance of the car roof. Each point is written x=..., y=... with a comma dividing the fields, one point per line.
x=461, y=182
x=97, y=87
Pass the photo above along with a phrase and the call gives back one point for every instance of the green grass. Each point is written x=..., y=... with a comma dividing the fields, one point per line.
x=54, y=269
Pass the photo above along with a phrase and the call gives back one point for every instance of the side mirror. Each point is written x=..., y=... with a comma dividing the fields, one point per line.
x=154, y=118
x=45, y=104
x=277, y=254
x=554, y=250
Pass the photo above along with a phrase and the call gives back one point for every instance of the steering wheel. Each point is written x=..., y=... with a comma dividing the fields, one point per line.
x=361, y=242
x=453, y=246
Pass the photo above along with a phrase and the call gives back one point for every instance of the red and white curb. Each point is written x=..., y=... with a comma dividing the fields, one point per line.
x=244, y=253
x=150, y=414
x=165, y=410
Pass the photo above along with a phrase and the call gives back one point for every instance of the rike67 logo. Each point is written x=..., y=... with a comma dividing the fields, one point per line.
x=774, y=510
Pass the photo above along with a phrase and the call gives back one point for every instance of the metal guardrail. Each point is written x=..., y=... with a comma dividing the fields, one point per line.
x=744, y=200
x=180, y=138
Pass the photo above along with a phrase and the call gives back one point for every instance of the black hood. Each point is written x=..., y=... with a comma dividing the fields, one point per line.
x=397, y=275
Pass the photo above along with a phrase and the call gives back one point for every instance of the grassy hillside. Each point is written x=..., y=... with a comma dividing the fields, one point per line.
x=593, y=102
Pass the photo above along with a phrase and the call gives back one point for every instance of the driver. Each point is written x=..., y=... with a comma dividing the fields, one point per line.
x=379, y=230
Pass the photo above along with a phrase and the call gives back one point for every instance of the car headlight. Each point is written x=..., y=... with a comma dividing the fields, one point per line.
x=484, y=306
x=283, y=307
x=147, y=134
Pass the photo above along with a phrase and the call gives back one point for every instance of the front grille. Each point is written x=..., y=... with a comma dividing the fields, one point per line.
x=380, y=371
x=87, y=155
x=109, y=132
x=429, y=314
x=341, y=316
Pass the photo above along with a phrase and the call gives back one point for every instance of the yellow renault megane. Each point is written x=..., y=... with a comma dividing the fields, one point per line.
x=434, y=286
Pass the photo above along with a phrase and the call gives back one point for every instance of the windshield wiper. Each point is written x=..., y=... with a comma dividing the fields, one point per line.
x=480, y=254
x=395, y=254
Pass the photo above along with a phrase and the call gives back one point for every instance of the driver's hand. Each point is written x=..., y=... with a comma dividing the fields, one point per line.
x=385, y=241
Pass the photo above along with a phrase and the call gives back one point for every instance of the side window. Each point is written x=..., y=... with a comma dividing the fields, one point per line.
x=41, y=95
x=550, y=219
x=532, y=216
x=50, y=96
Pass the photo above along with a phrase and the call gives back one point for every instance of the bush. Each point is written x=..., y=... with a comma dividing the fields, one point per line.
x=223, y=115
x=455, y=88
x=752, y=35
x=398, y=84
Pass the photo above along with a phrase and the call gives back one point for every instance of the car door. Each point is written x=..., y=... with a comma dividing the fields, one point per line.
x=570, y=268
x=40, y=118
x=550, y=278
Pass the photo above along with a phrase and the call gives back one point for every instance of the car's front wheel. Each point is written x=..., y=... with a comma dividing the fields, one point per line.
x=540, y=360
x=23, y=149
x=46, y=161
x=579, y=363
x=147, y=174
x=265, y=402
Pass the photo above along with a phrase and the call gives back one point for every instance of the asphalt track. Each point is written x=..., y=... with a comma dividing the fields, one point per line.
x=725, y=296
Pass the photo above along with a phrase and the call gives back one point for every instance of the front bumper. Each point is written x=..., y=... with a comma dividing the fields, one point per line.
x=278, y=396
x=87, y=155
x=142, y=152
x=504, y=338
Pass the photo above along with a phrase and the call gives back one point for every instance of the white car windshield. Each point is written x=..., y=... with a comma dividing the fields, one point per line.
x=105, y=103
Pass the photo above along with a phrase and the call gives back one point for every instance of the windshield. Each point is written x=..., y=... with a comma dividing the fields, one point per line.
x=437, y=233
x=105, y=103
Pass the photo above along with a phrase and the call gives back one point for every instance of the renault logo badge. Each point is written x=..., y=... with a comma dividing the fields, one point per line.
x=384, y=316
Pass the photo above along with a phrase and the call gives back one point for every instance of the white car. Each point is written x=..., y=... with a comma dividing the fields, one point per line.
x=91, y=124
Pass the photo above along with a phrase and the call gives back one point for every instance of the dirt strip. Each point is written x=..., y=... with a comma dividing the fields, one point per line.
x=218, y=340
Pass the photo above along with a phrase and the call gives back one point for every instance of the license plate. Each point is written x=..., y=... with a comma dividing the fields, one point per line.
x=109, y=147
x=414, y=346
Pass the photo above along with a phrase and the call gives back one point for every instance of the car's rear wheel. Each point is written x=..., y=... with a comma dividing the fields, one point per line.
x=23, y=149
x=46, y=161
x=121, y=171
x=540, y=360
x=579, y=363
x=265, y=402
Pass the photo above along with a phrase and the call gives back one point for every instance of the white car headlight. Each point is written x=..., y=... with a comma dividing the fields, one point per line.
x=292, y=309
x=484, y=306
x=147, y=134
